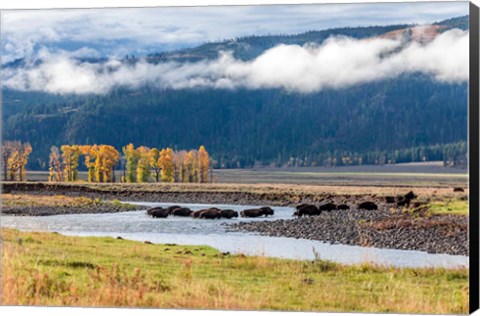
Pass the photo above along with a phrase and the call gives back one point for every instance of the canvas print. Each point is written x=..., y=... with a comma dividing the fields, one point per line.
x=267, y=157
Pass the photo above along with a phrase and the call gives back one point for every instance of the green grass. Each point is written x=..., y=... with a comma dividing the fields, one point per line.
x=455, y=207
x=51, y=269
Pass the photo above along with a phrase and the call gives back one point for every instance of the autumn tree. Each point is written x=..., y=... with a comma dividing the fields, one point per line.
x=109, y=157
x=179, y=170
x=90, y=154
x=26, y=149
x=143, y=165
x=131, y=157
x=55, y=165
x=154, y=160
x=191, y=165
x=13, y=163
x=7, y=150
x=203, y=163
x=15, y=158
x=166, y=163
x=70, y=157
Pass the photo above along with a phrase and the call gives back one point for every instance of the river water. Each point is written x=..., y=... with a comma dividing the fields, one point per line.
x=137, y=225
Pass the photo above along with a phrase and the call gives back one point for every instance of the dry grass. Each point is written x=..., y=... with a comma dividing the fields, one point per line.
x=54, y=201
x=50, y=269
x=47, y=200
x=285, y=189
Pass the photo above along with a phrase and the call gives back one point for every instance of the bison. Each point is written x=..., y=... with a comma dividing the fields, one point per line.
x=369, y=206
x=327, y=207
x=159, y=212
x=196, y=214
x=390, y=199
x=404, y=202
x=458, y=189
x=343, y=207
x=211, y=214
x=410, y=196
x=228, y=213
x=306, y=209
x=172, y=208
x=253, y=212
x=267, y=211
x=182, y=211
x=151, y=210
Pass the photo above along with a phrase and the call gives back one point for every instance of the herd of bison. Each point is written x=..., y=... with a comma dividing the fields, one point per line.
x=301, y=210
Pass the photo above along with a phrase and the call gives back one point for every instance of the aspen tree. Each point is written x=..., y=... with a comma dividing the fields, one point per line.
x=203, y=164
x=131, y=157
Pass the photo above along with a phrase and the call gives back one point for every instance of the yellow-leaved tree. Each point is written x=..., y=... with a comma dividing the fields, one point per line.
x=70, y=156
x=14, y=159
x=203, y=165
x=110, y=157
x=154, y=160
x=166, y=163
x=131, y=158
x=90, y=154
x=143, y=165
x=55, y=165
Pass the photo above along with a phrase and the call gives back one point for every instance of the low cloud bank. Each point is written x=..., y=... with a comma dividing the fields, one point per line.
x=339, y=62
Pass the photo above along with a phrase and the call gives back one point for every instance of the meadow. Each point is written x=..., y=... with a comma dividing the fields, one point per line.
x=55, y=270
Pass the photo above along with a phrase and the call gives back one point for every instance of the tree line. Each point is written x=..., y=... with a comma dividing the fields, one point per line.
x=141, y=164
x=452, y=155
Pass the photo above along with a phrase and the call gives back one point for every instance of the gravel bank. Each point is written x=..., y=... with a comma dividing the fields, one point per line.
x=435, y=234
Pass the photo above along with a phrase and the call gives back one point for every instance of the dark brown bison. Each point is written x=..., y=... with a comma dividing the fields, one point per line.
x=343, y=207
x=211, y=214
x=253, y=212
x=196, y=214
x=182, y=211
x=151, y=210
x=159, y=212
x=172, y=208
x=458, y=189
x=327, y=207
x=369, y=206
x=390, y=199
x=410, y=196
x=404, y=202
x=306, y=209
x=228, y=213
x=267, y=211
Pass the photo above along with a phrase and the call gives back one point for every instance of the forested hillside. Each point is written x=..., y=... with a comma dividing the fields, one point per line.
x=408, y=118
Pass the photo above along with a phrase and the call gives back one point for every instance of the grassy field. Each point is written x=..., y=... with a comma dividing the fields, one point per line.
x=456, y=207
x=51, y=269
x=431, y=174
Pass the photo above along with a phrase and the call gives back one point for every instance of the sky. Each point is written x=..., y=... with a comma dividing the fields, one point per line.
x=59, y=37
x=116, y=32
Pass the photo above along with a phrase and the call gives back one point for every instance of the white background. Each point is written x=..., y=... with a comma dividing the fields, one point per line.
x=62, y=311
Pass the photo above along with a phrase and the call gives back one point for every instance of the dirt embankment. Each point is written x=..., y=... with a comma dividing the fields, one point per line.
x=261, y=194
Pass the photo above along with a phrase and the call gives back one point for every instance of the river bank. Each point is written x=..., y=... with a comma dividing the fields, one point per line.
x=40, y=205
x=433, y=233
x=209, y=193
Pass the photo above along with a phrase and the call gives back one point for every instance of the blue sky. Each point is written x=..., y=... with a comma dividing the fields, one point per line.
x=116, y=32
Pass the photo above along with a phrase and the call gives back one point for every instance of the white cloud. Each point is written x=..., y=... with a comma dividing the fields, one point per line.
x=339, y=62
x=137, y=29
